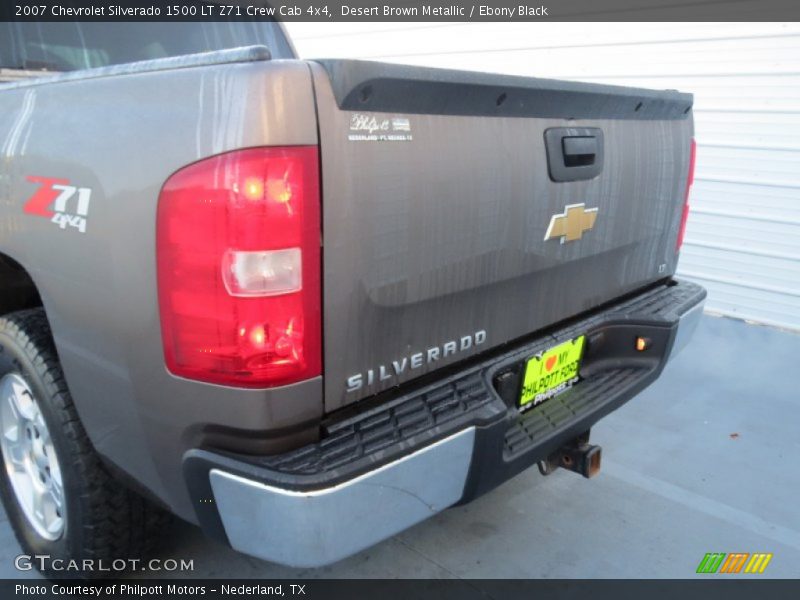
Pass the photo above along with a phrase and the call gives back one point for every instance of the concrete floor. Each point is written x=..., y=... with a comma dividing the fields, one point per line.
x=703, y=461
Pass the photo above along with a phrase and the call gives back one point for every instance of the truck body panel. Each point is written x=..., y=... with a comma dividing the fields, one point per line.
x=122, y=136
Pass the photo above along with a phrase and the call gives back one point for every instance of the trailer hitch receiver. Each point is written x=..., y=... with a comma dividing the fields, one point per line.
x=578, y=456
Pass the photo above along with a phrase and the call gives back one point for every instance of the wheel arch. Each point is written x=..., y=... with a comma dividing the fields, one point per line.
x=17, y=288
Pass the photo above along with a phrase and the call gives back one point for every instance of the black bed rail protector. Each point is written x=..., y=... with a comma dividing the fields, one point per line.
x=243, y=54
x=382, y=87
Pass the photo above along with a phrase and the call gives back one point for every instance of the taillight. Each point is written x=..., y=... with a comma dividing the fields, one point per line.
x=689, y=182
x=238, y=251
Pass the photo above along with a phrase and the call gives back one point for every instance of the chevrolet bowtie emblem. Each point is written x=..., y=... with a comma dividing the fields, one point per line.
x=570, y=225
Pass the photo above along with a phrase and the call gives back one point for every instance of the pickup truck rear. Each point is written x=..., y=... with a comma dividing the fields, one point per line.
x=308, y=304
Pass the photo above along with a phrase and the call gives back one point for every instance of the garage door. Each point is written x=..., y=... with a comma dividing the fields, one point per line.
x=743, y=237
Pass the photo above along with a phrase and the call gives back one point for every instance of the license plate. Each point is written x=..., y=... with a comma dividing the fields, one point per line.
x=551, y=372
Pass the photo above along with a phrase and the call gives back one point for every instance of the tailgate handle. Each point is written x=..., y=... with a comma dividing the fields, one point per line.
x=574, y=153
x=579, y=151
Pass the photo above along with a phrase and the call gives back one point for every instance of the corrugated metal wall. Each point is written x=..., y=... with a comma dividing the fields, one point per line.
x=743, y=237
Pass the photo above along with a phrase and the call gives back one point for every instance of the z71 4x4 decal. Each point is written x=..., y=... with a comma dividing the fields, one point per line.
x=53, y=198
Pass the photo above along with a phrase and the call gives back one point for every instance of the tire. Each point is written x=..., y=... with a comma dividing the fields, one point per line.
x=100, y=519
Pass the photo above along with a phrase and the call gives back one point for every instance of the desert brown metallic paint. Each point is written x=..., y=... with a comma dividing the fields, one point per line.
x=435, y=238
x=123, y=136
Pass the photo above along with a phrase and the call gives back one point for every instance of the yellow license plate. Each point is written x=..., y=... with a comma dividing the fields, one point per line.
x=551, y=372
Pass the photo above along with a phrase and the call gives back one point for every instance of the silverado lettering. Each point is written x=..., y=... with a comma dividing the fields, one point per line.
x=415, y=361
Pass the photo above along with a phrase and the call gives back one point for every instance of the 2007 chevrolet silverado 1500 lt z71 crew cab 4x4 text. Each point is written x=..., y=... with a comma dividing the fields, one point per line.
x=308, y=304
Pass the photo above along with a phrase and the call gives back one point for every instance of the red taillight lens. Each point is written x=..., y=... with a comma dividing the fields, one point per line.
x=238, y=247
x=689, y=182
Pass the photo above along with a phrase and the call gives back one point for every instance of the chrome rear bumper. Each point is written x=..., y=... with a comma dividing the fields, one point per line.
x=315, y=528
x=687, y=325
x=395, y=464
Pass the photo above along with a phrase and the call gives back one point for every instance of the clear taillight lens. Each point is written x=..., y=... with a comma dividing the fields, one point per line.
x=263, y=273
x=689, y=182
x=238, y=247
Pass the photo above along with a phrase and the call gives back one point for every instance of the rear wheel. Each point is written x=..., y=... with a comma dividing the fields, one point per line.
x=29, y=458
x=60, y=499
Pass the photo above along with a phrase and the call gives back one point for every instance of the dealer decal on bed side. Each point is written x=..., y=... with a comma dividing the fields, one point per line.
x=53, y=198
x=371, y=128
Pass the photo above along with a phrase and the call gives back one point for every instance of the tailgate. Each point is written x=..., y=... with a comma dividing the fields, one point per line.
x=441, y=229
